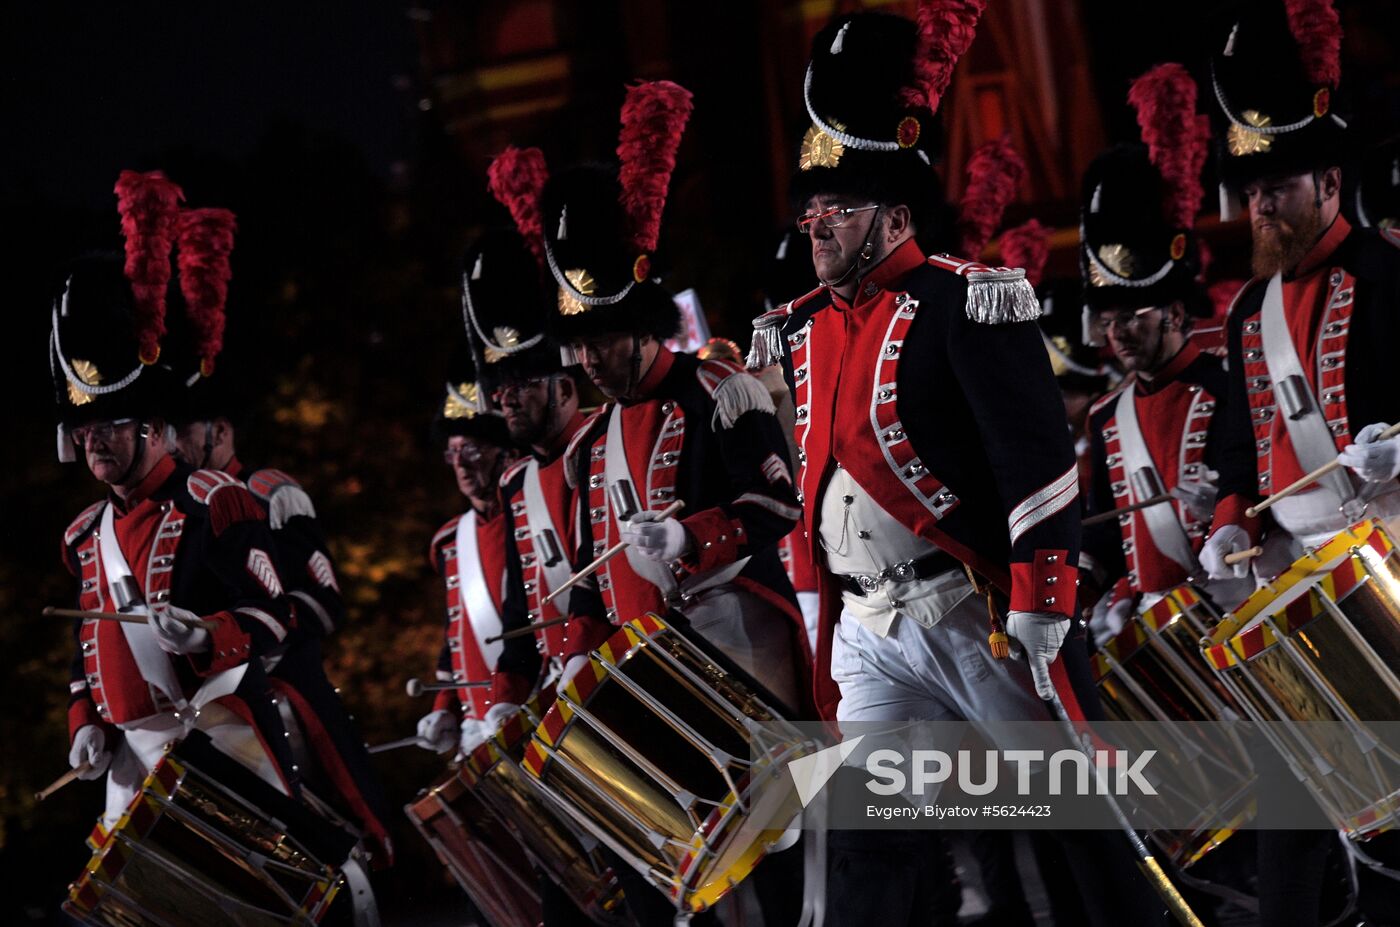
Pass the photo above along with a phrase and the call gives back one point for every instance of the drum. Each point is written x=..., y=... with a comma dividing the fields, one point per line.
x=482, y=856
x=568, y=855
x=677, y=766
x=1322, y=644
x=206, y=842
x=1152, y=671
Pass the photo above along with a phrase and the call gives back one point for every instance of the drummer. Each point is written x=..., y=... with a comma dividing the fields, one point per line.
x=167, y=542
x=674, y=429
x=469, y=552
x=1159, y=435
x=1310, y=344
x=1311, y=333
x=933, y=439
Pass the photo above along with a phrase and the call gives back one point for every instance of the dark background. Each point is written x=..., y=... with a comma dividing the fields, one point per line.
x=352, y=140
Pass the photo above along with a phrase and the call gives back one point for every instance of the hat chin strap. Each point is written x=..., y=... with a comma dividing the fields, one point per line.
x=867, y=250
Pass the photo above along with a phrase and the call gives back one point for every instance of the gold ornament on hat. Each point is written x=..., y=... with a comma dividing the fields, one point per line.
x=87, y=372
x=581, y=281
x=507, y=339
x=819, y=150
x=462, y=402
x=1116, y=258
x=1245, y=141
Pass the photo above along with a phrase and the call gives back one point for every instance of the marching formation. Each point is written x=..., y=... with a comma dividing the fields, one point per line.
x=921, y=497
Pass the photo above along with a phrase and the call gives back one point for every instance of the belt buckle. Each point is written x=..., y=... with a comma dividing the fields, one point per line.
x=902, y=572
x=867, y=582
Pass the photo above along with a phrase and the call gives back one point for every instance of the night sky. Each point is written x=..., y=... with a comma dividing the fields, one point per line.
x=91, y=88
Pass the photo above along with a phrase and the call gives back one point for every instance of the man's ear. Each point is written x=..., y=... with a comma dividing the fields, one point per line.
x=1176, y=314
x=223, y=430
x=897, y=222
x=1331, y=182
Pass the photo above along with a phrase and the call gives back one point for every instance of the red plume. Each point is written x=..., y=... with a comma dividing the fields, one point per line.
x=206, y=240
x=1177, y=139
x=1318, y=29
x=653, y=117
x=946, y=30
x=1028, y=246
x=148, y=204
x=516, y=178
x=993, y=174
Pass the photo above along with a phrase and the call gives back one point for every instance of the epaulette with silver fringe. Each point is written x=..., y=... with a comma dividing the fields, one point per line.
x=994, y=294
x=767, y=346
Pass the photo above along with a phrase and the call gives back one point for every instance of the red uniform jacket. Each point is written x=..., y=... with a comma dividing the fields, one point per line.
x=465, y=656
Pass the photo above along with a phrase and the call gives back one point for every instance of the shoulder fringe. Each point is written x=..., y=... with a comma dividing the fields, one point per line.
x=998, y=296
x=288, y=501
x=767, y=346
x=737, y=394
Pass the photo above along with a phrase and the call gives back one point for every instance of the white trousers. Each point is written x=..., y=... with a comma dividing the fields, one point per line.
x=752, y=633
x=144, y=742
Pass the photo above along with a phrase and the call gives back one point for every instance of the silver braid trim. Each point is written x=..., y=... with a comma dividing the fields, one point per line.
x=1262, y=130
x=845, y=138
x=78, y=384
x=1131, y=282
x=469, y=320
x=564, y=283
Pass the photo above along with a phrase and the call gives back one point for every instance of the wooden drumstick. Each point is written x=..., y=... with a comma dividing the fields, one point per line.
x=72, y=774
x=1310, y=478
x=1136, y=506
x=51, y=612
x=394, y=745
x=1240, y=555
x=574, y=580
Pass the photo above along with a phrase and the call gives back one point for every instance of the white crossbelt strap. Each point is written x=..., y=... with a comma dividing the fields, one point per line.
x=474, y=593
x=1311, y=438
x=1167, y=533
x=153, y=662
x=541, y=522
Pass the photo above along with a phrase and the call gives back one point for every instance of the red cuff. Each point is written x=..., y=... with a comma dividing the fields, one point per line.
x=1231, y=511
x=584, y=634
x=716, y=538
x=81, y=713
x=229, y=646
x=445, y=700
x=1047, y=584
x=509, y=687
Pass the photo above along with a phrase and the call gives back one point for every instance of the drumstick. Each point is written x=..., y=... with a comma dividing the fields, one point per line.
x=72, y=774
x=1237, y=556
x=1151, y=869
x=416, y=687
x=1106, y=516
x=394, y=745
x=51, y=612
x=574, y=580
x=1310, y=478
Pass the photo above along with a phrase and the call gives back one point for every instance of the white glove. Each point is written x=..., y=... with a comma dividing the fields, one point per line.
x=1227, y=539
x=1039, y=635
x=1199, y=497
x=176, y=636
x=474, y=734
x=499, y=713
x=1375, y=461
x=90, y=746
x=437, y=731
x=1109, y=616
x=662, y=540
x=571, y=667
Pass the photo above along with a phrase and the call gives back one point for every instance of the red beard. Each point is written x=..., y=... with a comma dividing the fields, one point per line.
x=1284, y=246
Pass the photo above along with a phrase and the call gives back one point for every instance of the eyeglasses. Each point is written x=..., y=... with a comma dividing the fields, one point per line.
x=832, y=218
x=1126, y=319
x=98, y=431
x=471, y=452
x=519, y=386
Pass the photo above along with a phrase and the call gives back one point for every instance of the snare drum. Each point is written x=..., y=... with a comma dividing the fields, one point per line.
x=482, y=856
x=1152, y=671
x=1322, y=644
x=675, y=765
x=568, y=856
x=206, y=842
